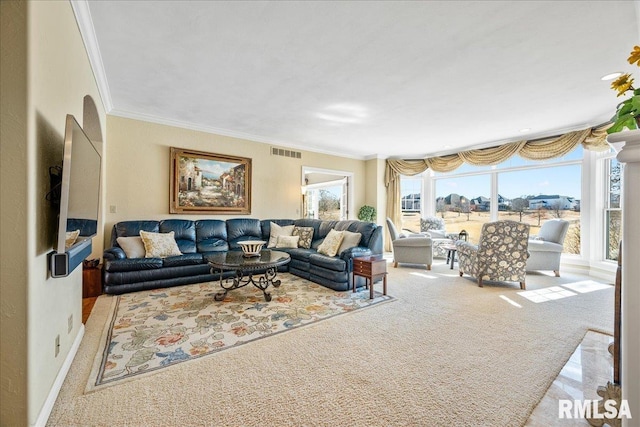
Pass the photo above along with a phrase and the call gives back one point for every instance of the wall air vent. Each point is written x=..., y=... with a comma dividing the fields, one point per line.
x=275, y=151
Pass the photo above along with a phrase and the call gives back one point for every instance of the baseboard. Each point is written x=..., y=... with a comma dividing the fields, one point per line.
x=57, y=384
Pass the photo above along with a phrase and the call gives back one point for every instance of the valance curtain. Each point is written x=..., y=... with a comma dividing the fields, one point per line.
x=545, y=149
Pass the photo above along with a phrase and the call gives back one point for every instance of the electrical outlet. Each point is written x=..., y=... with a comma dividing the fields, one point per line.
x=57, y=345
x=70, y=324
x=113, y=209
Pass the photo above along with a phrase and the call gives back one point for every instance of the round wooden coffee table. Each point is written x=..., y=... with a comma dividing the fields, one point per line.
x=264, y=266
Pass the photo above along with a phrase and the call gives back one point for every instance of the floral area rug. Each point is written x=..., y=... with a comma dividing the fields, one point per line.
x=152, y=330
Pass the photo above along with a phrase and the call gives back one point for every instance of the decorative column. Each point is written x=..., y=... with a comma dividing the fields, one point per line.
x=630, y=331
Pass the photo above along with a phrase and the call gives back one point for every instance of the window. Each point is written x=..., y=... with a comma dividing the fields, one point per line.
x=410, y=202
x=464, y=203
x=613, y=211
x=517, y=189
x=537, y=195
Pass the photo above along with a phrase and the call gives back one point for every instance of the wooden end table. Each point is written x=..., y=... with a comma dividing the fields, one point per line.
x=371, y=268
x=91, y=281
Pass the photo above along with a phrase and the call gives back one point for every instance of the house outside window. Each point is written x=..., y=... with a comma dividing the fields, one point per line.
x=411, y=202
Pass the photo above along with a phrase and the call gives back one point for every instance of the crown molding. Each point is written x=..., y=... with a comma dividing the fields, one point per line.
x=88, y=34
x=225, y=132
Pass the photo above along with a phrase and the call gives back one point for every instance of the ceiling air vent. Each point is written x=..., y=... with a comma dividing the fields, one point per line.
x=275, y=151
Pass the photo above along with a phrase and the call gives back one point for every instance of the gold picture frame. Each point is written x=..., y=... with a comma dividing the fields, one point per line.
x=209, y=183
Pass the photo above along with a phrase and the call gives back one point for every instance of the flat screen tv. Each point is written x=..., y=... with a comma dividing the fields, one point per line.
x=79, y=200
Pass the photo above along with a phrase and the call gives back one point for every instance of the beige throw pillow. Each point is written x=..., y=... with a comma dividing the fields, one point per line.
x=278, y=230
x=159, y=245
x=331, y=243
x=132, y=246
x=70, y=238
x=350, y=240
x=287, y=242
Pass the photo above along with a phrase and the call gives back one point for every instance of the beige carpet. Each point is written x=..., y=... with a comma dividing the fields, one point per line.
x=446, y=353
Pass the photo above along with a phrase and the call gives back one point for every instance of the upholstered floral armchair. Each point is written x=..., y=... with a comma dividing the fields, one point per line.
x=500, y=255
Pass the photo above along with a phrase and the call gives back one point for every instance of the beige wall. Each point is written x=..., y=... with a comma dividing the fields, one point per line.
x=138, y=172
x=13, y=221
x=51, y=76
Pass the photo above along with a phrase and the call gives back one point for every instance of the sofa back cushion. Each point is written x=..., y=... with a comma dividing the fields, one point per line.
x=239, y=229
x=211, y=235
x=265, y=225
x=365, y=228
x=132, y=228
x=184, y=232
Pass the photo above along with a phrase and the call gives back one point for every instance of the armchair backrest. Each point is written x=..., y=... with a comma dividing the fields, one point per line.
x=392, y=230
x=503, y=246
x=431, y=223
x=554, y=231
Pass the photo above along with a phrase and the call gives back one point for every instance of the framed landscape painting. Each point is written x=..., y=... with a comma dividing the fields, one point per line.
x=209, y=183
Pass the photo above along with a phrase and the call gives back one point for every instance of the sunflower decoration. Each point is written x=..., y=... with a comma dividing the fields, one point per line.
x=628, y=111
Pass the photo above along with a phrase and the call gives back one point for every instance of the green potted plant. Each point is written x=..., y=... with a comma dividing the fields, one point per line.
x=367, y=213
x=628, y=111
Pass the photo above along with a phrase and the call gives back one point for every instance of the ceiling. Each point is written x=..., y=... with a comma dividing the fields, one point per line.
x=362, y=79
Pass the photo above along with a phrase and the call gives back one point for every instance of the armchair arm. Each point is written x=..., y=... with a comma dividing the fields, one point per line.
x=466, y=248
x=413, y=241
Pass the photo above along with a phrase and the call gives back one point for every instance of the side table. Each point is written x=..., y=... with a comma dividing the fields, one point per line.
x=91, y=281
x=371, y=268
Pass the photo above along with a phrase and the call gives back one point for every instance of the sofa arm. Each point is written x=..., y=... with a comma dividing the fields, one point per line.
x=355, y=252
x=113, y=254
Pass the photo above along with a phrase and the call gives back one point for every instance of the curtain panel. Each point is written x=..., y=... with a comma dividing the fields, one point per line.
x=544, y=149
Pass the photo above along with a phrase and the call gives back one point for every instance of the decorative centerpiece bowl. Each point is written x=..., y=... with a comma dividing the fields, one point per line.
x=251, y=248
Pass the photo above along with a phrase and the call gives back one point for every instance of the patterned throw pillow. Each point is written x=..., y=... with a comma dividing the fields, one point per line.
x=70, y=238
x=132, y=246
x=287, y=242
x=306, y=235
x=159, y=245
x=331, y=243
x=350, y=240
x=278, y=230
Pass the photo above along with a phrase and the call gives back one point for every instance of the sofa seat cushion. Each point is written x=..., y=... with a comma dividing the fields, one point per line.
x=298, y=253
x=330, y=263
x=133, y=264
x=186, y=259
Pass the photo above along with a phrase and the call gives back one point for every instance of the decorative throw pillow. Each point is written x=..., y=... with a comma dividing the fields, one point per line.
x=278, y=230
x=132, y=246
x=159, y=245
x=287, y=242
x=331, y=243
x=70, y=238
x=306, y=235
x=350, y=240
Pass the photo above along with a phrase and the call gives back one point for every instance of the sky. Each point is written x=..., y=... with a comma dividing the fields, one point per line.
x=561, y=180
x=564, y=181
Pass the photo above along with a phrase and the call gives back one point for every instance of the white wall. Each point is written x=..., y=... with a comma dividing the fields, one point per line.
x=138, y=172
x=49, y=74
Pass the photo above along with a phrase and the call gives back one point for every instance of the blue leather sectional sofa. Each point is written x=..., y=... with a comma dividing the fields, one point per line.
x=198, y=238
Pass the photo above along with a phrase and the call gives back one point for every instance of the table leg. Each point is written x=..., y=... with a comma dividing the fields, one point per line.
x=453, y=258
x=371, y=288
x=384, y=284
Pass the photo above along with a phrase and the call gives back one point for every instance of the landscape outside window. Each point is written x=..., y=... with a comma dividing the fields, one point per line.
x=613, y=211
x=527, y=191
